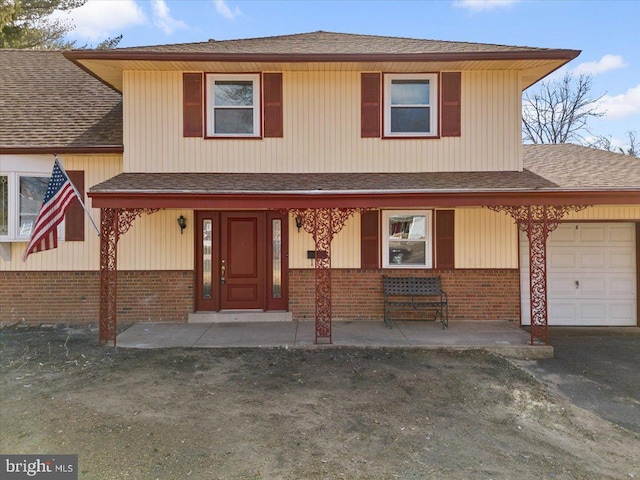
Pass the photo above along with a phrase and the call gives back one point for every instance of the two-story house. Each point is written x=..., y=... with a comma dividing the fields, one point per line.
x=286, y=175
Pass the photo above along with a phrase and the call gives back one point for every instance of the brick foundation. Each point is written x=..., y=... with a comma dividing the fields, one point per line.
x=488, y=294
x=168, y=296
x=73, y=297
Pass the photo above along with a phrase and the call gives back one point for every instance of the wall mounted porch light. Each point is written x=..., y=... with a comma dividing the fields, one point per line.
x=182, y=223
x=299, y=223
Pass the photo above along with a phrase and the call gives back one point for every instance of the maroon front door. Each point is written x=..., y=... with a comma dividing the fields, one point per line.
x=241, y=263
x=242, y=260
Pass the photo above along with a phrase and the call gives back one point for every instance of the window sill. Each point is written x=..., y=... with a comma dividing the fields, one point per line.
x=411, y=137
x=232, y=137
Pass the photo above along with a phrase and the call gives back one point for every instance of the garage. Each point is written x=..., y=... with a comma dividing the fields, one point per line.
x=591, y=275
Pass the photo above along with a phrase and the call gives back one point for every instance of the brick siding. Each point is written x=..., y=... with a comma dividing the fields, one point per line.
x=487, y=294
x=73, y=297
x=168, y=296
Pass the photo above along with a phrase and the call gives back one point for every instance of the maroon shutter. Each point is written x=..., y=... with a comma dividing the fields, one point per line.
x=451, y=93
x=369, y=240
x=74, y=217
x=192, y=104
x=444, y=239
x=273, y=120
x=370, y=105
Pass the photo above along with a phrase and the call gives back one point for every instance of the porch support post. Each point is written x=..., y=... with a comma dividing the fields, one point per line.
x=114, y=223
x=538, y=221
x=323, y=224
x=108, y=275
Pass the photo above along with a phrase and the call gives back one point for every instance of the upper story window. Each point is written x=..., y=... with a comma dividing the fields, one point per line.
x=406, y=239
x=410, y=105
x=233, y=105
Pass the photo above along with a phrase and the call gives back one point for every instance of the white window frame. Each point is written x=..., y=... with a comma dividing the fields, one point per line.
x=18, y=232
x=211, y=79
x=13, y=208
x=433, y=103
x=428, y=214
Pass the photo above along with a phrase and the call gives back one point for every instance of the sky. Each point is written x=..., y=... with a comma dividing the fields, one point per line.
x=607, y=32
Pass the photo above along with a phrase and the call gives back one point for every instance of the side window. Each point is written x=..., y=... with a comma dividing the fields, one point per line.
x=406, y=239
x=4, y=205
x=233, y=105
x=32, y=191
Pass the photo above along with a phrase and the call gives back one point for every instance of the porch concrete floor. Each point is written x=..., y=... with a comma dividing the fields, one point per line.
x=503, y=338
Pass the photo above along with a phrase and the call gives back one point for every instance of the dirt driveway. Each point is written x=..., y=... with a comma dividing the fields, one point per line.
x=294, y=414
x=597, y=368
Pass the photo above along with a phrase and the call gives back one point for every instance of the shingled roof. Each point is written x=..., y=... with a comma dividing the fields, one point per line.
x=548, y=168
x=574, y=167
x=321, y=42
x=49, y=104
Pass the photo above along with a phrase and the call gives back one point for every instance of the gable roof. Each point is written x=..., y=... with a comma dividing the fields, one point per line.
x=49, y=105
x=557, y=174
x=331, y=43
x=327, y=49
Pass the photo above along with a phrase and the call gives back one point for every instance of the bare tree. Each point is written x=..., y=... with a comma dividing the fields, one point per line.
x=632, y=147
x=559, y=111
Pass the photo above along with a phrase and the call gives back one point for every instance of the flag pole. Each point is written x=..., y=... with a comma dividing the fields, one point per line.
x=79, y=197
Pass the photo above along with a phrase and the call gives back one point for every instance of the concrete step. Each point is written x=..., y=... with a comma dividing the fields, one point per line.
x=239, y=316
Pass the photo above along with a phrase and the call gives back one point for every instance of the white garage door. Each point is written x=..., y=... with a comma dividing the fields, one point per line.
x=591, y=275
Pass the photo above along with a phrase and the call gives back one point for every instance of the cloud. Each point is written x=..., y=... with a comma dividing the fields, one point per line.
x=162, y=17
x=606, y=63
x=623, y=105
x=481, y=5
x=224, y=10
x=98, y=19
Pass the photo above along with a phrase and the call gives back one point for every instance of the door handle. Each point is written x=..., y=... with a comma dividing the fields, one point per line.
x=223, y=270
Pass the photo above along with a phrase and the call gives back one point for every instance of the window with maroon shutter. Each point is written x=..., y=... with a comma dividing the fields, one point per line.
x=451, y=112
x=74, y=217
x=369, y=240
x=192, y=104
x=273, y=120
x=444, y=239
x=370, y=105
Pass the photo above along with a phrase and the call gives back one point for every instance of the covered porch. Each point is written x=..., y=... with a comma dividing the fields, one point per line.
x=321, y=203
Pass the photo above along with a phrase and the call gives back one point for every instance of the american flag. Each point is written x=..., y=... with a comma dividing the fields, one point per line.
x=60, y=193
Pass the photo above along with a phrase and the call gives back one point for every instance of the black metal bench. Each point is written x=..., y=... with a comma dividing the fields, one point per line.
x=419, y=293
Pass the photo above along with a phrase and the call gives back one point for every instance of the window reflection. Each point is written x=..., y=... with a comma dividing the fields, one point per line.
x=276, y=228
x=32, y=191
x=206, y=258
x=407, y=239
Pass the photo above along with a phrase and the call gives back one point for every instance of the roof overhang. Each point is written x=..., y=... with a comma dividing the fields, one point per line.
x=62, y=149
x=109, y=65
x=355, y=199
